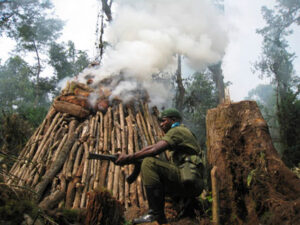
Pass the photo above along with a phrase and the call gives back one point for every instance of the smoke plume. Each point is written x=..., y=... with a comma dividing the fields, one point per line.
x=145, y=37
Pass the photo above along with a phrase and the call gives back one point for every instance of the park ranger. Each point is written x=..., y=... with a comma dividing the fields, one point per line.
x=181, y=176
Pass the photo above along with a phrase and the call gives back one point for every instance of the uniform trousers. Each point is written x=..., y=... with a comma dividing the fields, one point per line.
x=157, y=172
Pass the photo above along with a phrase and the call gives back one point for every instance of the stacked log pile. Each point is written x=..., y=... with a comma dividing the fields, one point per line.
x=54, y=161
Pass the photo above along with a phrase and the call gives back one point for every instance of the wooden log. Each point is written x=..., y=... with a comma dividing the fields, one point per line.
x=59, y=148
x=71, y=160
x=149, y=122
x=158, y=130
x=142, y=135
x=41, y=171
x=24, y=170
x=91, y=143
x=111, y=166
x=51, y=151
x=141, y=121
x=110, y=124
x=77, y=160
x=85, y=175
x=52, y=200
x=51, y=172
x=71, y=191
x=56, y=121
x=44, y=151
x=215, y=197
x=83, y=200
x=85, y=172
x=118, y=145
x=139, y=185
x=80, y=153
x=101, y=128
x=122, y=124
x=125, y=174
x=100, y=139
x=92, y=173
x=72, y=109
x=30, y=175
x=81, y=101
x=79, y=189
x=132, y=187
x=72, y=127
x=105, y=134
x=63, y=182
x=54, y=185
x=105, y=163
x=96, y=150
x=124, y=188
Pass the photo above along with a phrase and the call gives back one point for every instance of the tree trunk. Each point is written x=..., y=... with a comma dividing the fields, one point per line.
x=217, y=76
x=180, y=88
x=102, y=208
x=106, y=7
x=255, y=186
x=39, y=69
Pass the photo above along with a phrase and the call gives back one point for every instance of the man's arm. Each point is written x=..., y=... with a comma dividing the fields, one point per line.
x=150, y=150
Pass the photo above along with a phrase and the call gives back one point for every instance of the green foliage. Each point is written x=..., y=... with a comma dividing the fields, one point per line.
x=14, y=13
x=250, y=176
x=277, y=62
x=71, y=215
x=265, y=96
x=200, y=96
x=66, y=60
x=34, y=115
x=33, y=32
x=17, y=91
x=14, y=133
x=15, y=83
x=14, y=204
x=289, y=117
x=13, y=210
x=22, y=88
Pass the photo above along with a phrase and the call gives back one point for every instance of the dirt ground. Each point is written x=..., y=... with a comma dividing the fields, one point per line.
x=134, y=212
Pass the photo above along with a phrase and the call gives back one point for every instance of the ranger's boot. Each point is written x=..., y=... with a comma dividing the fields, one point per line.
x=156, y=202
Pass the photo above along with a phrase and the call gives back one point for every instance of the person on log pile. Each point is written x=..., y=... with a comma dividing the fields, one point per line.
x=179, y=177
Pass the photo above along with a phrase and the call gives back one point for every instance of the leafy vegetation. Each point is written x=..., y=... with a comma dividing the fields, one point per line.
x=200, y=96
x=25, y=92
x=276, y=62
x=14, y=133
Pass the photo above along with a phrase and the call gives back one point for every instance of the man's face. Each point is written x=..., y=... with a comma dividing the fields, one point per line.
x=166, y=124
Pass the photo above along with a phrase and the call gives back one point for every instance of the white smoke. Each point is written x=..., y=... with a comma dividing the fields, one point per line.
x=63, y=83
x=146, y=35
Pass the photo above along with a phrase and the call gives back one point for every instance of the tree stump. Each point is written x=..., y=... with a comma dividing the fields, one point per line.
x=103, y=209
x=255, y=186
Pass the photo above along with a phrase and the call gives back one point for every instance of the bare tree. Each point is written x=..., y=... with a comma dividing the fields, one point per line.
x=217, y=75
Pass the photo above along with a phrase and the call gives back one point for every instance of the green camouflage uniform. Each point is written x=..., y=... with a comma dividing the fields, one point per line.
x=184, y=147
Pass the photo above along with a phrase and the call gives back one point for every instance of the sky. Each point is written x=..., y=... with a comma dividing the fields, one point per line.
x=243, y=49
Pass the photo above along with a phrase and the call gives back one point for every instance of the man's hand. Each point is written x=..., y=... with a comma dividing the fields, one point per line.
x=124, y=159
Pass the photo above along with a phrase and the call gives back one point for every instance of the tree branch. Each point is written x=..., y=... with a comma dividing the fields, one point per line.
x=106, y=9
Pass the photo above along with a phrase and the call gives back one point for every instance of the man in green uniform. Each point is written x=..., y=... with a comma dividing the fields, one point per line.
x=182, y=176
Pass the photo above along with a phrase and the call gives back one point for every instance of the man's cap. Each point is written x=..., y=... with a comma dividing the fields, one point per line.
x=171, y=112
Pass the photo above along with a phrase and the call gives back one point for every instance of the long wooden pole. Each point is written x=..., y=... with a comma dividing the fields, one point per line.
x=215, y=197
